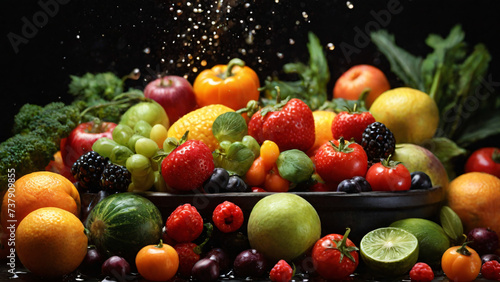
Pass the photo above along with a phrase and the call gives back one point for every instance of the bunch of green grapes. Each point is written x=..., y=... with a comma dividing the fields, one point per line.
x=136, y=149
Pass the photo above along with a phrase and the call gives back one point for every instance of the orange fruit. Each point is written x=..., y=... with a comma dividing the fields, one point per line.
x=322, y=129
x=51, y=242
x=475, y=197
x=37, y=190
x=199, y=124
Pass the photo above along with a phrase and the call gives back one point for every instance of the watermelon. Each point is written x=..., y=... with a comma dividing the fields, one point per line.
x=121, y=224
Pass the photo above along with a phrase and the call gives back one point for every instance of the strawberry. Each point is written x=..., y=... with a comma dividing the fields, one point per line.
x=281, y=272
x=189, y=254
x=351, y=124
x=289, y=123
x=188, y=166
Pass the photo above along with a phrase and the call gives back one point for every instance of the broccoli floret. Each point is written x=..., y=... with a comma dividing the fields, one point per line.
x=94, y=88
x=25, y=116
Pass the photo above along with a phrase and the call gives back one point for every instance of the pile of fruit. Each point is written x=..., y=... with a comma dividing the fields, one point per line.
x=219, y=136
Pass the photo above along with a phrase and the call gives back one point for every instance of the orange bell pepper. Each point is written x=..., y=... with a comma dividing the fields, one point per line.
x=232, y=85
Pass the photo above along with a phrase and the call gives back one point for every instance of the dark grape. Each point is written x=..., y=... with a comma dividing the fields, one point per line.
x=236, y=184
x=348, y=186
x=116, y=267
x=364, y=186
x=420, y=180
x=249, y=263
x=89, y=201
x=92, y=261
x=206, y=269
x=483, y=240
x=217, y=181
x=221, y=257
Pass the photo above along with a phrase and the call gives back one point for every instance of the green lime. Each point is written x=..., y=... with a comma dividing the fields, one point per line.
x=283, y=226
x=229, y=126
x=432, y=240
x=389, y=251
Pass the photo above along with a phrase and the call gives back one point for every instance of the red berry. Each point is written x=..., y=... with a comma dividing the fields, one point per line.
x=281, y=272
x=227, y=217
x=351, y=125
x=184, y=224
x=491, y=270
x=421, y=272
x=188, y=256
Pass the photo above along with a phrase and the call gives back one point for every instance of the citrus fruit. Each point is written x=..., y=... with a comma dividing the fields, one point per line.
x=474, y=197
x=40, y=189
x=322, y=129
x=389, y=251
x=199, y=124
x=283, y=226
x=51, y=242
x=432, y=240
x=410, y=114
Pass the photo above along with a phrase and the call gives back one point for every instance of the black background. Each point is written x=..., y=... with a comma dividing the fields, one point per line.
x=98, y=36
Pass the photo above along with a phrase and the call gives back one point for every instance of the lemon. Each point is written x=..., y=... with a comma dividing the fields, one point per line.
x=410, y=114
x=432, y=240
x=389, y=251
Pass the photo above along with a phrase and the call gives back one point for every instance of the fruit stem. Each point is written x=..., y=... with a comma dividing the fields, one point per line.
x=343, y=248
x=165, y=82
x=495, y=156
x=160, y=245
x=234, y=62
x=343, y=147
x=463, y=249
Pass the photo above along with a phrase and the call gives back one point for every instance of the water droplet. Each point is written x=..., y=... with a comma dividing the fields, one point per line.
x=280, y=55
x=78, y=36
x=330, y=46
x=305, y=15
x=146, y=50
x=203, y=63
x=349, y=4
x=291, y=41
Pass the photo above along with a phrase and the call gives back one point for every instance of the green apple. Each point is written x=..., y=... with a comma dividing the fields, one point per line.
x=418, y=158
x=283, y=226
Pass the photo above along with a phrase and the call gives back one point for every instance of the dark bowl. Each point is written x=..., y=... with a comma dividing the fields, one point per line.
x=361, y=212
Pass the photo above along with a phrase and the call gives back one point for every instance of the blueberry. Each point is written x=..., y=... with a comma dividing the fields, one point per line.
x=217, y=182
x=236, y=184
x=348, y=186
x=420, y=180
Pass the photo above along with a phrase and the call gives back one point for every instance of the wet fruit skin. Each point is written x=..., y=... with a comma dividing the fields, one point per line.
x=483, y=240
x=249, y=263
x=116, y=267
x=206, y=269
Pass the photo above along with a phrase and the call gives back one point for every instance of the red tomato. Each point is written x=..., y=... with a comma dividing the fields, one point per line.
x=389, y=176
x=486, y=159
x=335, y=256
x=337, y=160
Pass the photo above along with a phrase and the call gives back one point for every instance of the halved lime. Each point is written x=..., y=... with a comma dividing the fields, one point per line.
x=389, y=251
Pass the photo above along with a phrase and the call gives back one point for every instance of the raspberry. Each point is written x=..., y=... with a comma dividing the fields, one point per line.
x=491, y=270
x=184, y=224
x=227, y=217
x=421, y=272
x=281, y=271
x=188, y=256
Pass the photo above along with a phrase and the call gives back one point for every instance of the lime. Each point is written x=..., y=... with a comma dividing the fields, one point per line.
x=229, y=126
x=283, y=226
x=389, y=251
x=432, y=240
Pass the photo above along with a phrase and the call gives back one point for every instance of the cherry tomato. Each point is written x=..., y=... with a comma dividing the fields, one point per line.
x=388, y=176
x=274, y=182
x=486, y=159
x=256, y=174
x=461, y=263
x=337, y=160
x=269, y=152
x=335, y=257
x=157, y=262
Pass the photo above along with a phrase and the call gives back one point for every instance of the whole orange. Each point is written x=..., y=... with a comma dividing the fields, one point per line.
x=322, y=129
x=51, y=242
x=157, y=262
x=475, y=197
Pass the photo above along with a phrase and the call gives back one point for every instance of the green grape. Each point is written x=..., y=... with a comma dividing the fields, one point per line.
x=225, y=145
x=142, y=128
x=142, y=183
x=104, y=146
x=146, y=147
x=251, y=144
x=138, y=165
x=170, y=144
x=158, y=134
x=160, y=185
x=122, y=133
x=120, y=154
x=132, y=140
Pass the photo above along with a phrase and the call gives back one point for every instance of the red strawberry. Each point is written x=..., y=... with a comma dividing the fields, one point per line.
x=351, y=124
x=281, y=272
x=290, y=124
x=188, y=256
x=188, y=166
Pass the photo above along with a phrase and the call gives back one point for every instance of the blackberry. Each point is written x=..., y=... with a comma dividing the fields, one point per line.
x=87, y=170
x=378, y=142
x=115, y=178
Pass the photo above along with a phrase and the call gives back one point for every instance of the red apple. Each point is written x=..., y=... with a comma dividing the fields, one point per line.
x=81, y=139
x=354, y=81
x=174, y=93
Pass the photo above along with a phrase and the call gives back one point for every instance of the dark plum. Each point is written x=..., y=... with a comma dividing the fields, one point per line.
x=217, y=181
x=92, y=261
x=483, y=240
x=488, y=257
x=116, y=267
x=249, y=263
x=206, y=270
x=236, y=184
x=221, y=257
x=420, y=181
